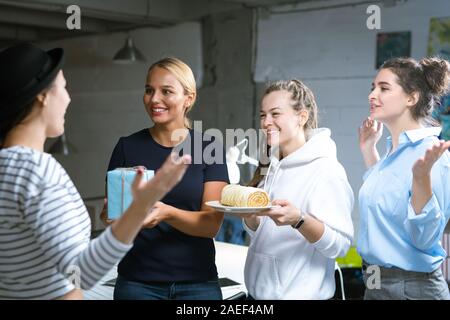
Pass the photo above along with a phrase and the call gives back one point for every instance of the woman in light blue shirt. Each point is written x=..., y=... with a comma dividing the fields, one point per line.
x=404, y=202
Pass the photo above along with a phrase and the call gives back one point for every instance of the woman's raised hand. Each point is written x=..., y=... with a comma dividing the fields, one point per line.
x=146, y=194
x=369, y=133
x=422, y=167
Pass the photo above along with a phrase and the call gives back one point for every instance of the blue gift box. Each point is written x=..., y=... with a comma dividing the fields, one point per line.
x=119, y=189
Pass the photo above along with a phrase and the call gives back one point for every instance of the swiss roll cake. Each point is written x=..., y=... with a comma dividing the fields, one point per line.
x=239, y=196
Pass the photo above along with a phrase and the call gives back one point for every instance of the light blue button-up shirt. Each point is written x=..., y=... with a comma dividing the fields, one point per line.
x=391, y=234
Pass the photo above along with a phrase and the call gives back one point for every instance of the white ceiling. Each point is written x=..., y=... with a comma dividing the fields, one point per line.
x=36, y=20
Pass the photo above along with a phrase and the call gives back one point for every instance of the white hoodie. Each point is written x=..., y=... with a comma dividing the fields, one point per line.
x=281, y=263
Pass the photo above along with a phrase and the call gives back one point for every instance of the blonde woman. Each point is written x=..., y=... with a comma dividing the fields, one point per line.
x=293, y=248
x=174, y=257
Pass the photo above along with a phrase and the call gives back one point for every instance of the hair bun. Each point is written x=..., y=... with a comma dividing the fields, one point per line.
x=437, y=74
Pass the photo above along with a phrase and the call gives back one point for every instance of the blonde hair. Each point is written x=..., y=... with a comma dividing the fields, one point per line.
x=302, y=99
x=184, y=75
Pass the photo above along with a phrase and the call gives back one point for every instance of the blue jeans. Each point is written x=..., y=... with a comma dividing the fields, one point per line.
x=131, y=290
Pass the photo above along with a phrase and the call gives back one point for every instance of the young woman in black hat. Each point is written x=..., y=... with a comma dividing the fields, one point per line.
x=45, y=247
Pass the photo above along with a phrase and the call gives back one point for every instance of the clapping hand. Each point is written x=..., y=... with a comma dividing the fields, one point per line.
x=422, y=167
x=369, y=133
x=158, y=213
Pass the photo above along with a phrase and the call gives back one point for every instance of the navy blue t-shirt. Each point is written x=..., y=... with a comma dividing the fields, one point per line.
x=163, y=253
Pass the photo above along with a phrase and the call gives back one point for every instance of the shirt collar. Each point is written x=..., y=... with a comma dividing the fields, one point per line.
x=414, y=135
x=419, y=134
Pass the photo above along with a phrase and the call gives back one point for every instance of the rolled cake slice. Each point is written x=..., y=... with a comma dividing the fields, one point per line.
x=239, y=196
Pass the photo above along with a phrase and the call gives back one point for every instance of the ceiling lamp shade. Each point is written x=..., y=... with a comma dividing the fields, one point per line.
x=128, y=54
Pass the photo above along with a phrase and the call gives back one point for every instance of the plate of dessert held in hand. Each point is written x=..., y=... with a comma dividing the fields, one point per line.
x=240, y=199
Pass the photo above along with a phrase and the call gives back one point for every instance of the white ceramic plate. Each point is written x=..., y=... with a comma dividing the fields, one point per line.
x=227, y=209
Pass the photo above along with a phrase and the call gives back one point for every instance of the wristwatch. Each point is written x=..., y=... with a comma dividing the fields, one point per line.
x=299, y=222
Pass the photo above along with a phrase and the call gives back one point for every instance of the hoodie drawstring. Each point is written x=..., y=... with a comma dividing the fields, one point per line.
x=273, y=179
x=267, y=175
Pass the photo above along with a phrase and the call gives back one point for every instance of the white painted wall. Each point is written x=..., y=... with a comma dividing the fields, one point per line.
x=107, y=98
x=334, y=53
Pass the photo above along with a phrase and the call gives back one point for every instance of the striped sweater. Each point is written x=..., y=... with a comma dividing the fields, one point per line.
x=45, y=247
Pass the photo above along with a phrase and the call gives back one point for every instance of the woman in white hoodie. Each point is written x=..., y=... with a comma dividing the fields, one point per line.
x=293, y=248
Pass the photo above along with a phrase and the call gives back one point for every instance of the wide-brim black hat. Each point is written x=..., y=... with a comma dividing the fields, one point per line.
x=25, y=71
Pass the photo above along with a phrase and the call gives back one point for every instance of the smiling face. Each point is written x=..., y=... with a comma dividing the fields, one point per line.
x=388, y=101
x=56, y=100
x=280, y=122
x=165, y=99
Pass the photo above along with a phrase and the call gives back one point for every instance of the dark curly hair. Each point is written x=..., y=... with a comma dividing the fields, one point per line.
x=429, y=77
